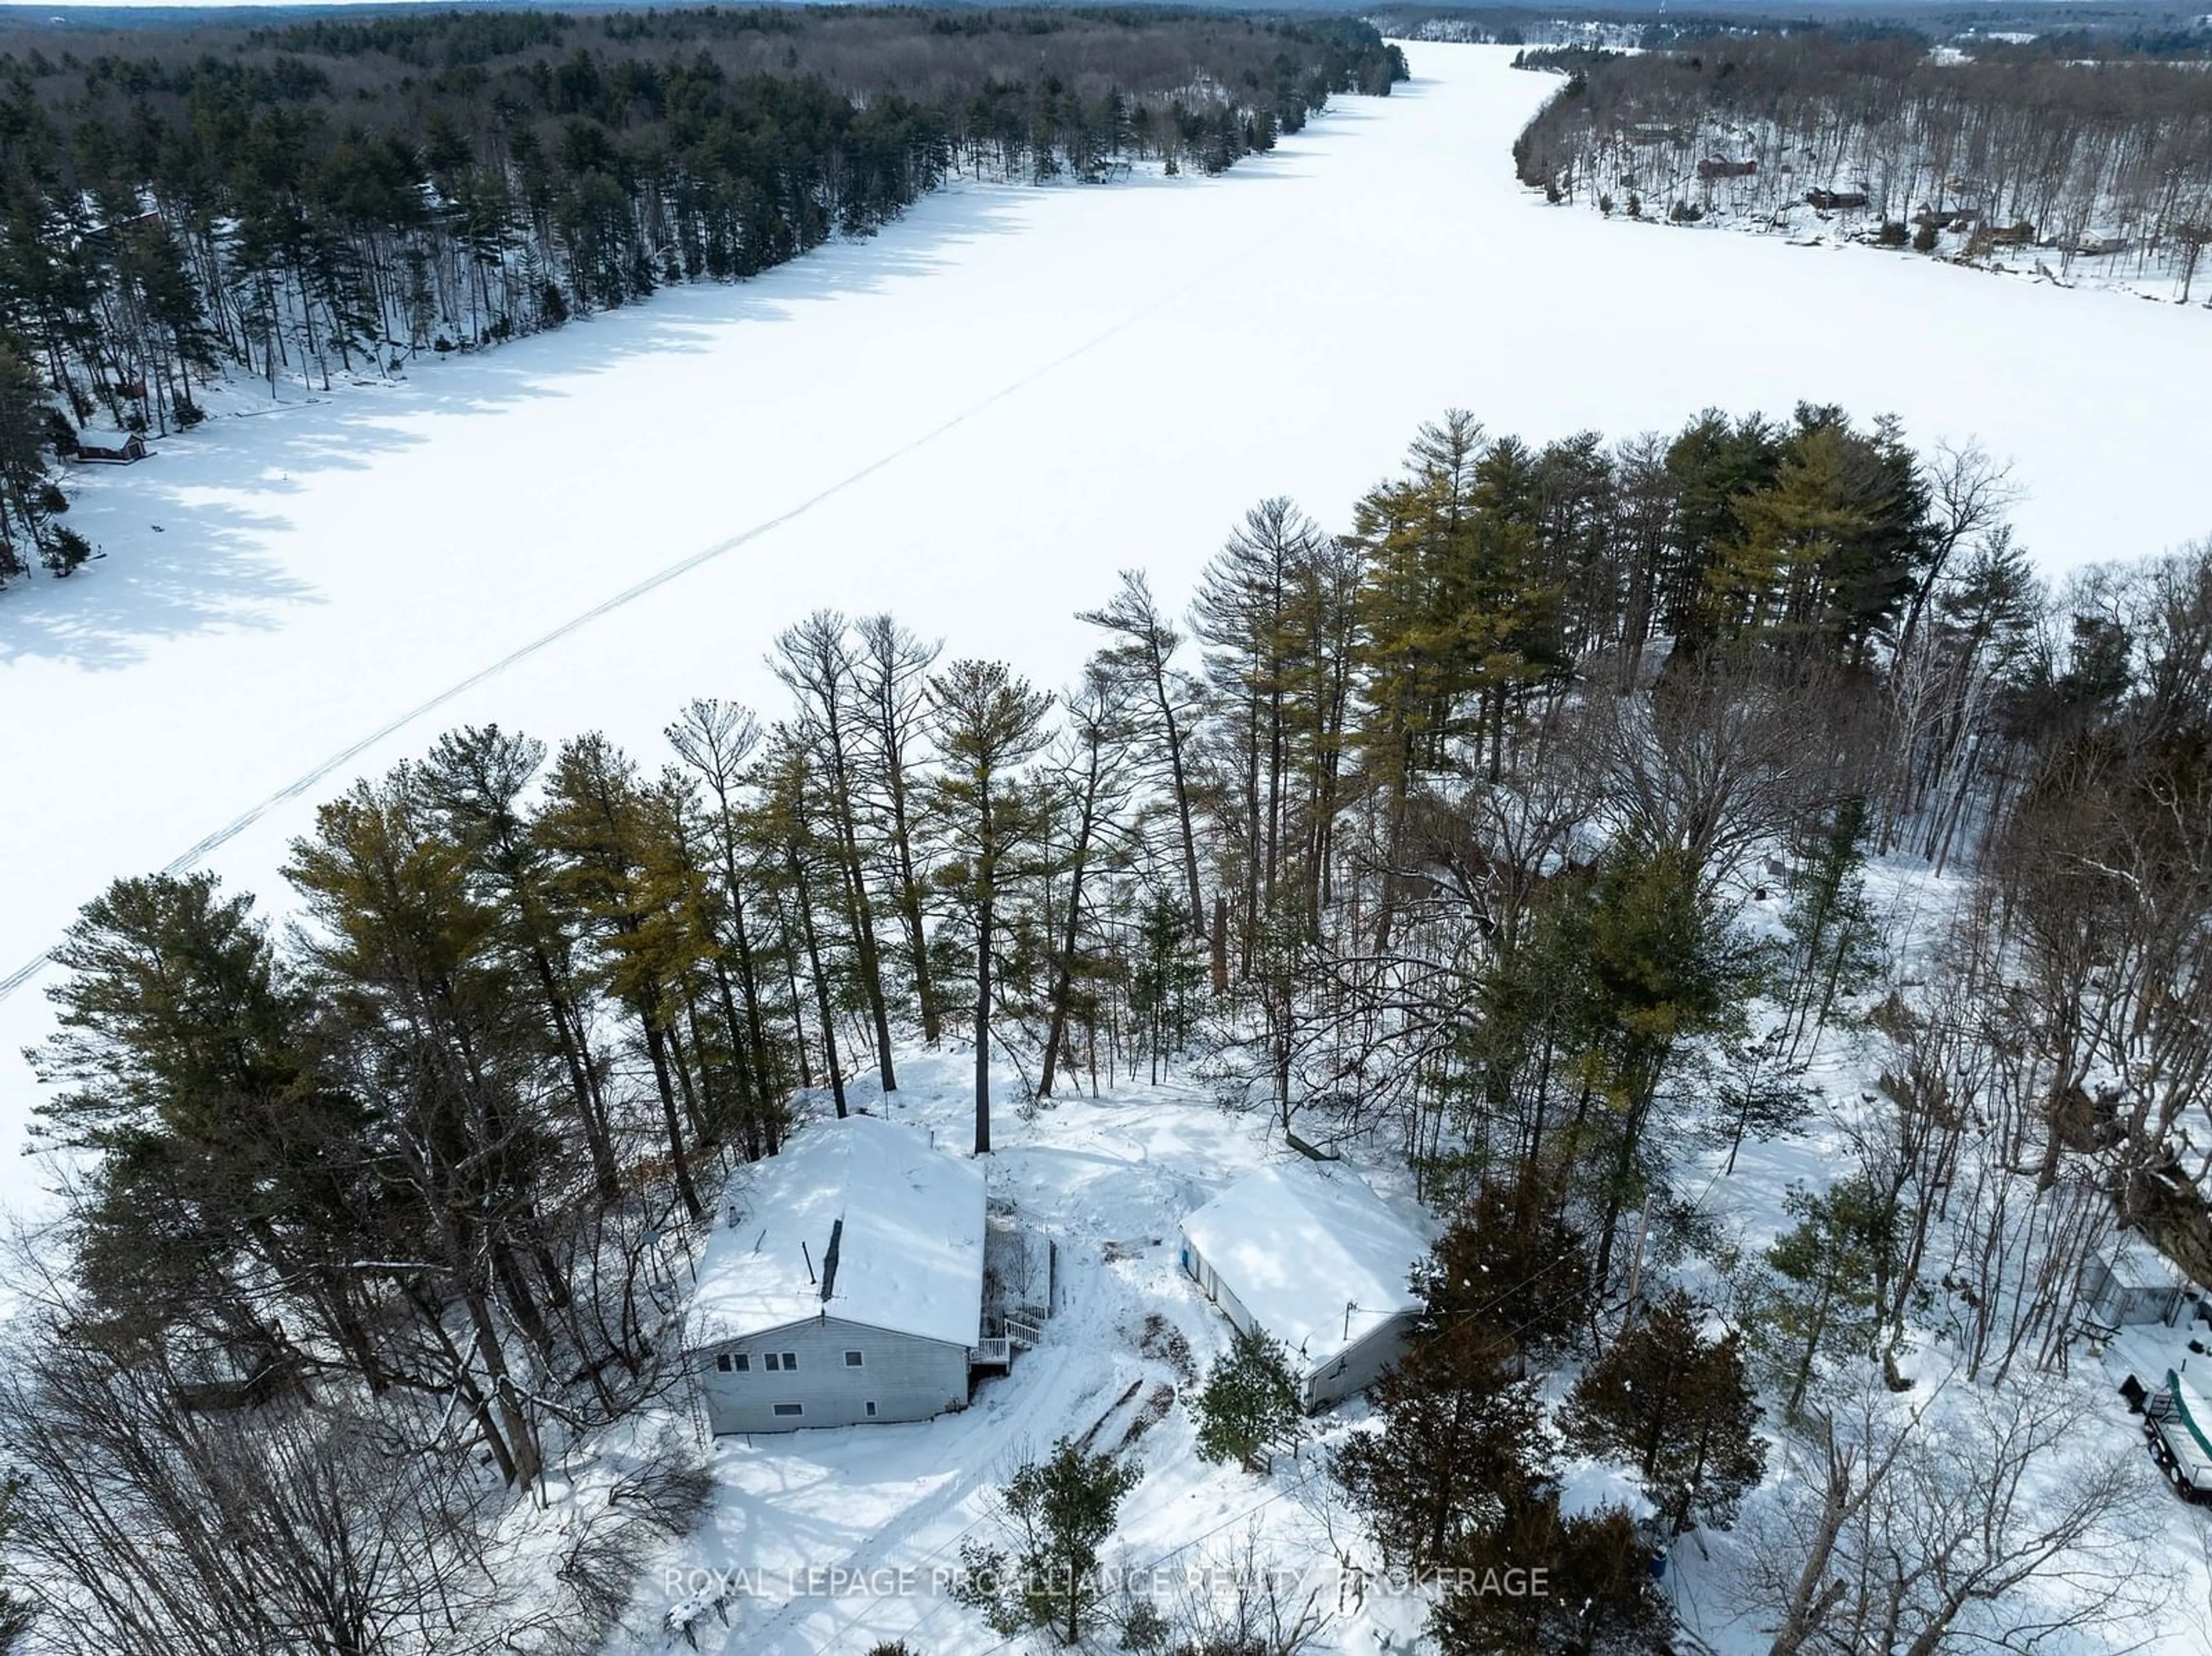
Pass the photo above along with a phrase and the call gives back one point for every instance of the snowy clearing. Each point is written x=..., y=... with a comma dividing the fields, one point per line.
x=825, y=1542
x=973, y=420
x=834, y=1539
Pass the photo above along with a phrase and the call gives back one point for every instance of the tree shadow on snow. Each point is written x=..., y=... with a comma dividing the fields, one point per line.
x=210, y=563
x=204, y=570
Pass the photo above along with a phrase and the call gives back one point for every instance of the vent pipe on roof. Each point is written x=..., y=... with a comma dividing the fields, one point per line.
x=809, y=1258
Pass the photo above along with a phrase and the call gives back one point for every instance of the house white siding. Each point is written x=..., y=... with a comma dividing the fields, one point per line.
x=1232, y=1308
x=1353, y=1370
x=1209, y=1284
x=904, y=1377
x=859, y=1238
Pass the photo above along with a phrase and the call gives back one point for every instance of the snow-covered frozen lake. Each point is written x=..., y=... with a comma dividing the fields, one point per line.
x=974, y=421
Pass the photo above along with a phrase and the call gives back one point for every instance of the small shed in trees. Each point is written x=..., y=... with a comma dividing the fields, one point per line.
x=843, y=1285
x=107, y=447
x=1310, y=1255
x=2130, y=1282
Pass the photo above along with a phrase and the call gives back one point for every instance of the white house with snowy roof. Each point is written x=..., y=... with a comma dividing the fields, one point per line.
x=844, y=1284
x=1311, y=1256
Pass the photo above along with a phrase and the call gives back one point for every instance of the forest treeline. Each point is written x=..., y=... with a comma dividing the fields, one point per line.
x=336, y=197
x=2091, y=32
x=2110, y=159
x=1436, y=833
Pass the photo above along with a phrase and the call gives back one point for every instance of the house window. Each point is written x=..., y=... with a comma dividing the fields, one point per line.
x=741, y=1363
x=790, y=1409
x=773, y=1362
x=722, y=1362
x=852, y=1360
x=790, y=1362
x=871, y=1411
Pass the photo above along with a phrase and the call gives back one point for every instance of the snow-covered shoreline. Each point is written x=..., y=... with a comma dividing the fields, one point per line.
x=974, y=419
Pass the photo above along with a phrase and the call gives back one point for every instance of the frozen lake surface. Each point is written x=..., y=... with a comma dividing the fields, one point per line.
x=973, y=420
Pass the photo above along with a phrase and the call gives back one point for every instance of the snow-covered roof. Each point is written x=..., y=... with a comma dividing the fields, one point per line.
x=1299, y=1244
x=103, y=437
x=2134, y=1263
x=893, y=1226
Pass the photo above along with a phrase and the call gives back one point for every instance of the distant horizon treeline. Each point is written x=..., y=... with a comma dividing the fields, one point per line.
x=1431, y=833
x=336, y=197
x=2094, y=32
x=2099, y=159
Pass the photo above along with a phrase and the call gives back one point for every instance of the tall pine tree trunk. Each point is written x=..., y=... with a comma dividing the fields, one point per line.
x=1064, y=969
x=983, y=923
x=657, y=1049
x=797, y=868
x=909, y=894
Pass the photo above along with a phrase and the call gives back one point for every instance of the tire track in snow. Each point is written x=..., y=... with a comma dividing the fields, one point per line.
x=783, y=1631
x=1060, y=1385
x=179, y=865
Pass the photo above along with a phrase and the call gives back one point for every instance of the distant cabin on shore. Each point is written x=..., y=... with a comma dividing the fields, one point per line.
x=104, y=447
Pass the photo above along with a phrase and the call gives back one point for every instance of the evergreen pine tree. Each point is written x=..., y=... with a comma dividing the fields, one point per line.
x=1663, y=967
x=1758, y=1092
x=1835, y=937
x=1250, y=1406
x=596, y=822
x=1062, y=1510
x=1597, y=1595
x=216, y=1153
x=475, y=780
x=989, y=724
x=1824, y=1290
x=1511, y=1264
x=24, y=431
x=1144, y=644
x=1461, y=1439
x=1677, y=1406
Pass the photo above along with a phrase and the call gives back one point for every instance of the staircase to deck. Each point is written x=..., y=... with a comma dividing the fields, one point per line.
x=1016, y=1332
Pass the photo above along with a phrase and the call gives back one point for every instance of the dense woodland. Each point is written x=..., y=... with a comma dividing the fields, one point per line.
x=2104, y=32
x=1435, y=837
x=337, y=198
x=2101, y=159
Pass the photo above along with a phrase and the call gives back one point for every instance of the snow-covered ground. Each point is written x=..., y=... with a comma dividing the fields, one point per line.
x=973, y=420
x=2091, y=248
x=828, y=1541
x=834, y=1539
